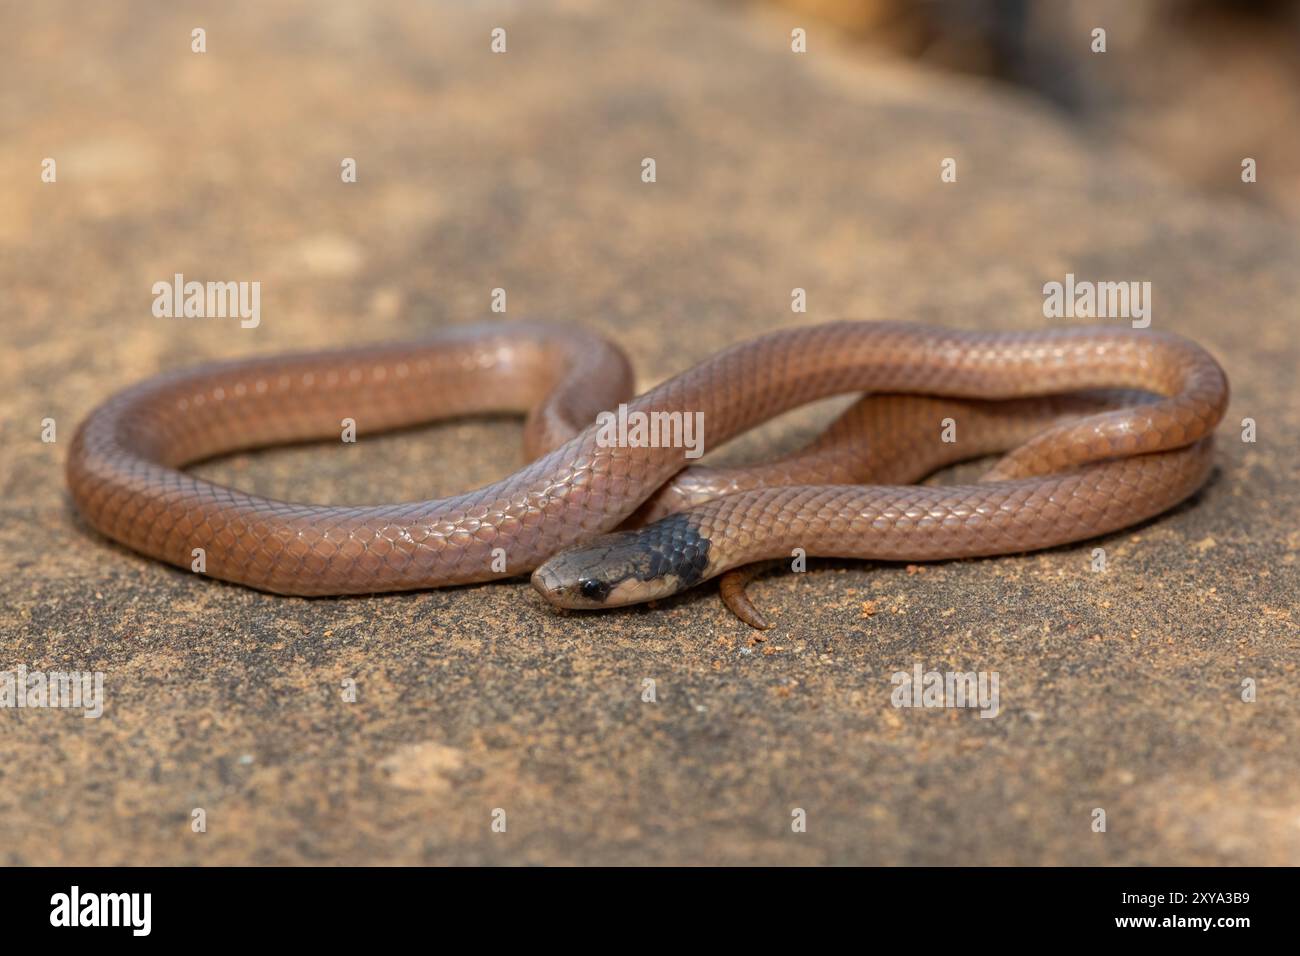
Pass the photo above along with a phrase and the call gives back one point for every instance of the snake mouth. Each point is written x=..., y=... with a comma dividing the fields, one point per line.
x=591, y=593
x=627, y=567
x=568, y=591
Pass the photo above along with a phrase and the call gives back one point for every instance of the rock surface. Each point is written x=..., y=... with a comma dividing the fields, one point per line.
x=1119, y=690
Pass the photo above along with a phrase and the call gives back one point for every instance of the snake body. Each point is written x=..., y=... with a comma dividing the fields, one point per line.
x=1077, y=464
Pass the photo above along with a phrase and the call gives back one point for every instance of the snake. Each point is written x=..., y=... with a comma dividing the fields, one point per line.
x=1097, y=429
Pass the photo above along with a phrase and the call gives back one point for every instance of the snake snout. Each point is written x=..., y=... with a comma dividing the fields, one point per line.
x=575, y=579
x=626, y=567
x=544, y=580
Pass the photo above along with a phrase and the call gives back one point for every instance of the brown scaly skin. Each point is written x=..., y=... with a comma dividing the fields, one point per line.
x=879, y=439
x=882, y=522
x=123, y=467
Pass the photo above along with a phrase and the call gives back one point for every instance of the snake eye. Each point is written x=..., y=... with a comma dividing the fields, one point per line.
x=594, y=590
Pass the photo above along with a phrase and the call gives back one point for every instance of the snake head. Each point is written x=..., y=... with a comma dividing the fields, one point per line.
x=626, y=567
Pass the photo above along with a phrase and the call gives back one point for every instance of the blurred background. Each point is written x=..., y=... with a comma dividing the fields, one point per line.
x=777, y=173
x=1186, y=82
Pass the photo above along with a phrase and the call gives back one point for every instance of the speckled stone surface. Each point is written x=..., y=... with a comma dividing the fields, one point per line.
x=1118, y=690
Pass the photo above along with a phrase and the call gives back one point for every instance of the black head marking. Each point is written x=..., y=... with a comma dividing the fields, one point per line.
x=627, y=566
x=673, y=545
